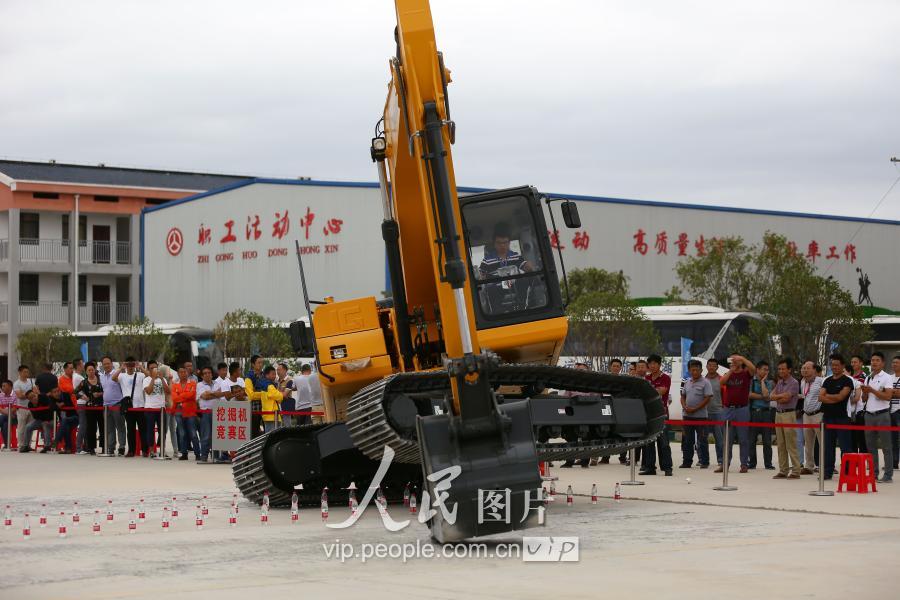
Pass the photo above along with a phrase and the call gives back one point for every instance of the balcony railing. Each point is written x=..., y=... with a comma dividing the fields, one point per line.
x=123, y=253
x=43, y=313
x=44, y=250
x=123, y=311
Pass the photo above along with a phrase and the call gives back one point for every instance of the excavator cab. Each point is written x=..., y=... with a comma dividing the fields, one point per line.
x=511, y=267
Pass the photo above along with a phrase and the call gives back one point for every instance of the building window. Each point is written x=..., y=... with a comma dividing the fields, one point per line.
x=156, y=201
x=64, y=296
x=82, y=290
x=29, y=225
x=45, y=195
x=28, y=288
x=106, y=198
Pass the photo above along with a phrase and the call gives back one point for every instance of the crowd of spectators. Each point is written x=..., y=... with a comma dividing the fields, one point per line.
x=145, y=401
x=749, y=392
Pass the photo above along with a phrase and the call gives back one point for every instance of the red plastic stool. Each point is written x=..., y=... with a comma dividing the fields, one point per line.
x=857, y=473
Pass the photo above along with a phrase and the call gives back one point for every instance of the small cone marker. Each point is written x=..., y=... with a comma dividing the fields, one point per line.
x=165, y=519
x=594, y=494
x=142, y=514
x=264, y=515
x=412, y=504
x=406, y=495
x=7, y=517
x=203, y=507
x=26, y=528
x=76, y=518
x=96, y=527
x=109, y=511
x=618, y=494
x=198, y=518
x=174, y=508
x=62, y=525
x=351, y=498
x=295, y=507
x=325, y=504
x=552, y=490
x=232, y=518
x=234, y=504
x=570, y=496
x=42, y=520
x=132, y=523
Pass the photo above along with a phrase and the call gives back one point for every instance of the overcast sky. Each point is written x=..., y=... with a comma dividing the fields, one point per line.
x=783, y=105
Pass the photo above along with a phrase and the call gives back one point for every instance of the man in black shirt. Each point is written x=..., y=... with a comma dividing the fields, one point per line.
x=42, y=410
x=833, y=395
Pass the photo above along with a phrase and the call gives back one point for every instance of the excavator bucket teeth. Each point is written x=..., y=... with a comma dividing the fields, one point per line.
x=496, y=487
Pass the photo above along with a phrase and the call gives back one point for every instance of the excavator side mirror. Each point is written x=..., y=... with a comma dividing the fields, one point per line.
x=301, y=338
x=570, y=215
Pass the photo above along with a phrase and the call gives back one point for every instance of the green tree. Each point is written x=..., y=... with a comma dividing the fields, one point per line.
x=242, y=333
x=803, y=314
x=604, y=323
x=46, y=345
x=139, y=338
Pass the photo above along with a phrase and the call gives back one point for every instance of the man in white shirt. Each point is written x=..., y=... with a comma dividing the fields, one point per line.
x=207, y=393
x=131, y=382
x=877, y=392
x=895, y=410
x=810, y=385
x=308, y=392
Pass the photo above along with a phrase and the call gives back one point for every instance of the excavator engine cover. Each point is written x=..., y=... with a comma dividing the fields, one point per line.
x=497, y=488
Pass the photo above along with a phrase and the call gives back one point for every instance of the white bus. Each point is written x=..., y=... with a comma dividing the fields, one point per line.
x=190, y=343
x=886, y=335
x=712, y=330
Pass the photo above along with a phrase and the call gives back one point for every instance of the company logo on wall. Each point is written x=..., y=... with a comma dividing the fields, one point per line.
x=174, y=241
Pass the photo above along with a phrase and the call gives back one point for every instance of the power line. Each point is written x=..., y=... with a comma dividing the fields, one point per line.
x=877, y=205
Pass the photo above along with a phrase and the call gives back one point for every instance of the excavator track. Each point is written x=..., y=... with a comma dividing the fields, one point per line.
x=257, y=469
x=379, y=415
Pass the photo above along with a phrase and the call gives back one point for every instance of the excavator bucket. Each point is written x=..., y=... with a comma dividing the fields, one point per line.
x=480, y=482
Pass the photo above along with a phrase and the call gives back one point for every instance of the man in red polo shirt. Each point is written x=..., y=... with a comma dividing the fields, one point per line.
x=736, y=405
x=184, y=395
x=663, y=384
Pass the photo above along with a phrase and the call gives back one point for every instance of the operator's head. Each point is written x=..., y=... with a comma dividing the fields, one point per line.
x=501, y=239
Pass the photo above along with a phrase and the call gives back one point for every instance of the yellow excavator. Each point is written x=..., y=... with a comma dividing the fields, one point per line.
x=453, y=373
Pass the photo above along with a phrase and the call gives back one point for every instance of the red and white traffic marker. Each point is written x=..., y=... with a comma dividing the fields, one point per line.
x=412, y=503
x=165, y=519
x=26, y=528
x=618, y=494
x=295, y=507
x=132, y=522
x=109, y=510
x=76, y=518
x=203, y=507
x=7, y=517
x=198, y=518
x=325, y=504
x=406, y=495
x=62, y=531
x=570, y=496
x=232, y=518
x=594, y=494
x=174, y=508
x=96, y=526
x=42, y=520
x=142, y=512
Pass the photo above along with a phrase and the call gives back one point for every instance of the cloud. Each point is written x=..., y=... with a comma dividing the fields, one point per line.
x=767, y=104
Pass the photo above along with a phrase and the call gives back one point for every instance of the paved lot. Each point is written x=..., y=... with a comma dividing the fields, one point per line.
x=667, y=538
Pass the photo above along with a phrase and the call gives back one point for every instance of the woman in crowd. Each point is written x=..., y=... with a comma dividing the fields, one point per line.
x=92, y=392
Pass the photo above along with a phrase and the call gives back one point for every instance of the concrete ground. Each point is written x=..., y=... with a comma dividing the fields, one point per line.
x=668, y=538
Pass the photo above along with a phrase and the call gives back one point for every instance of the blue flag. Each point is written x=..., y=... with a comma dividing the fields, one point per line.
x=685, y=356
